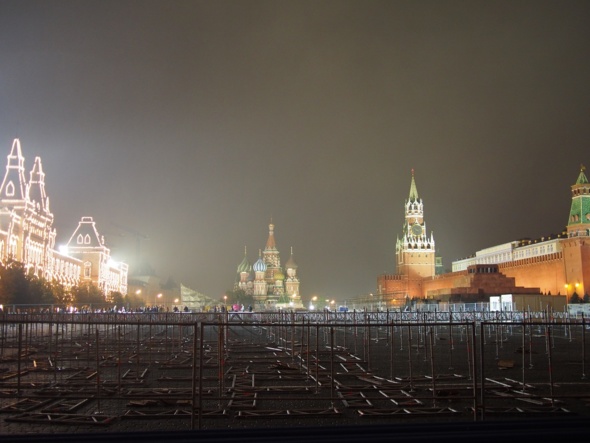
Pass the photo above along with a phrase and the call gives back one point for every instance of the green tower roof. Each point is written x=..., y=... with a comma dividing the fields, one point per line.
x=582, y=177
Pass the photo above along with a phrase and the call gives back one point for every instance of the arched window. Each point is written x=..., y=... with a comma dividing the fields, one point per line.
x=87, y=269
x=80, y=239
x=10, y=189
x=87, y=239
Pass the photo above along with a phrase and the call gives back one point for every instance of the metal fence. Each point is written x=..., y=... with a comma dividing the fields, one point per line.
x=202, y=369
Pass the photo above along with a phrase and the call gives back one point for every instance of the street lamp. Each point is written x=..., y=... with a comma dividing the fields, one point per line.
x=312, y=302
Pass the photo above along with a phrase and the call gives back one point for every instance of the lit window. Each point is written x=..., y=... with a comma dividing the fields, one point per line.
x=10, y=189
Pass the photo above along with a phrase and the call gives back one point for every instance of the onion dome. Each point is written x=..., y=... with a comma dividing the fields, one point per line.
x=291, y=262
x=278, y=275
x=244, y=266
x=259, y=266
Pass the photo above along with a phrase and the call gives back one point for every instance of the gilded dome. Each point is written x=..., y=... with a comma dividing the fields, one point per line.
x=278, y=275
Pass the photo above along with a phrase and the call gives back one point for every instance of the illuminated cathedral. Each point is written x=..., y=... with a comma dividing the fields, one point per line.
x=265, y=279
x=27, y=234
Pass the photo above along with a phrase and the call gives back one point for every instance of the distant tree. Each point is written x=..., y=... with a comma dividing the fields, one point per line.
x=586, y=298
x=21, y=287
x=575, y=298
x=13, y=283
x=132, y=301
x=239, y=296
x=60, y=294
x=117, y=299
x=86, y=294
x=39, y=290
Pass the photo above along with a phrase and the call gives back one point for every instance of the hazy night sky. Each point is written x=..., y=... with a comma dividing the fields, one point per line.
x=196, y=122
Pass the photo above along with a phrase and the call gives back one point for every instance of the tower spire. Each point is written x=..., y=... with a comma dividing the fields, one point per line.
x=579, y=219
x=413, y=190
x=270, y=242
x=582, y=177
x=14, y=184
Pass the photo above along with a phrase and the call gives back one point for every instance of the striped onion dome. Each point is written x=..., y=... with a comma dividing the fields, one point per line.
x=259, y=266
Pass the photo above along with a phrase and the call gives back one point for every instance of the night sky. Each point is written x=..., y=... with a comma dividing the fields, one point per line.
x=195, y=123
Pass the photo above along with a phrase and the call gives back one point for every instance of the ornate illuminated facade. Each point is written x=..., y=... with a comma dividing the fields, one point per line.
x=87, y=245
x=265, y=280
x=27, y=234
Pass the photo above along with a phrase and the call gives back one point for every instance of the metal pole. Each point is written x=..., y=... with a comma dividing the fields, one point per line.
x=391, y=337
x=523, y=347
x=451, y=343
x=201, y=351
x=368, y=329
x=97, y=372
x=410, y=358
x=20, y=350
x=317, y=358
x=482, y=377
x=583, y=347
x=430, y=335
x=332, y=365
x=549, y=355
x=193, y=379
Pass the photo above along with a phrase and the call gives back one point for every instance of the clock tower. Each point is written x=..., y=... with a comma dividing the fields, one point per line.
x=415, y=253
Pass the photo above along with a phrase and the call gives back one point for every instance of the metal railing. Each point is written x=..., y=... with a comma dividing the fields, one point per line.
x=102, y=369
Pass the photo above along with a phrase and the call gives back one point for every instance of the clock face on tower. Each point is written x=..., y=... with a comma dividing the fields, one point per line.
x=416, y=229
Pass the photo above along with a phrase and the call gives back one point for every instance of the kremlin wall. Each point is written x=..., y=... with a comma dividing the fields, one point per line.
x=550, y=269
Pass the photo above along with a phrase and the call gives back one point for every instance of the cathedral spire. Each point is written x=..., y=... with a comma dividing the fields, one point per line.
x=270, y=243
x=36, y=186
x=413, y=190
